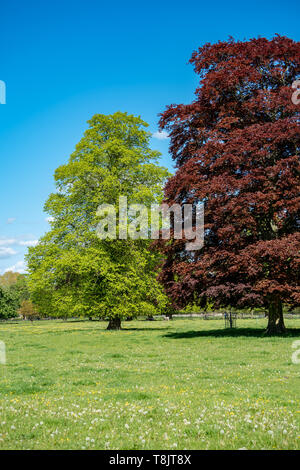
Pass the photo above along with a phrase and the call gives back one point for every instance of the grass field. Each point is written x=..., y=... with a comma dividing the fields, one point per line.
x=183, y=384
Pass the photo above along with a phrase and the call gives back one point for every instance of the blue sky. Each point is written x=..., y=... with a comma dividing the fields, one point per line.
x=63, y=61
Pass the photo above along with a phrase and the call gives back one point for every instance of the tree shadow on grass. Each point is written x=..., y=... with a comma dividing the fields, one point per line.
x=143, y=329
x=228, y=332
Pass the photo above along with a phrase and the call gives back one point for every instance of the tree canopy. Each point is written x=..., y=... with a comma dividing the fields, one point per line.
x=72, y=271
x=236, y=148
x=13, y=290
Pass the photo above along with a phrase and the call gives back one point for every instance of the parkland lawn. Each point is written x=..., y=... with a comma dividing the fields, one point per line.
x=183, y=384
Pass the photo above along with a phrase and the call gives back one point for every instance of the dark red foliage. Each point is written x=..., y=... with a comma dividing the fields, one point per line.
x=236, y=148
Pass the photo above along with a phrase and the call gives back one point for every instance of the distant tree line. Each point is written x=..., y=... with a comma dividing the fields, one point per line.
x=15, y=297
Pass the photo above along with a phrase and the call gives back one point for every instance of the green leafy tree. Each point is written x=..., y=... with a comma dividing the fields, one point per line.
x=20, y=287
x=9, y=303
x=10, y=278
x=72, y=271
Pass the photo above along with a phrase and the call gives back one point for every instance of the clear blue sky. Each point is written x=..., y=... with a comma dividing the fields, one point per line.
x=64, y=61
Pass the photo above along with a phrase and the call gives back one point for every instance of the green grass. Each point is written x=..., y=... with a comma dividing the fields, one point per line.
x=183, y=384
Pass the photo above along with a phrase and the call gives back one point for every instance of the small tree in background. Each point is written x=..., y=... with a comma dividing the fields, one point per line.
x=236, y=147
x=14, y=290
x=10, y=278
x=28, y=311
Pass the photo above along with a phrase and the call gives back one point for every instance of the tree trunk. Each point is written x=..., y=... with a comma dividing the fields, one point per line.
x=275, y=322
x=114, y=324
x=150, y=318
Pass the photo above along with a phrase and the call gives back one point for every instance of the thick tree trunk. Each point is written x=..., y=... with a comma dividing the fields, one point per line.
x=114, y=324
x=275, y=321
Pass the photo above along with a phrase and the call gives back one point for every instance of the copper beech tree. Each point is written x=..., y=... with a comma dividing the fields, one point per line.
x=236, y=148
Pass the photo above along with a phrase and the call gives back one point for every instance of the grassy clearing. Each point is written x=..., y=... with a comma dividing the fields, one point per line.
x=185, y=384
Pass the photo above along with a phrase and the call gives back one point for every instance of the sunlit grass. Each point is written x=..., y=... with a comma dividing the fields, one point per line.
x=183, y=384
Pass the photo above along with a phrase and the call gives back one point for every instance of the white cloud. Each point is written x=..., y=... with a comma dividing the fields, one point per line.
x=5, y=242
x=11, y=220
x=6, y=252
x=28, y=242
x=19, y=267
x=161, y=135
